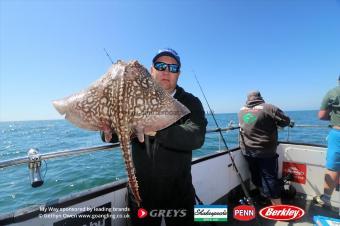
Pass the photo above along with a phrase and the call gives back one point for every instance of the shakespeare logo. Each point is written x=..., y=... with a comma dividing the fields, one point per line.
x=210, y=213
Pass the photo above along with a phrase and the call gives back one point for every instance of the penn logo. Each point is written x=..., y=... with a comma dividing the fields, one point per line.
x=282, y=212
x=244, y=213
x=142, y=213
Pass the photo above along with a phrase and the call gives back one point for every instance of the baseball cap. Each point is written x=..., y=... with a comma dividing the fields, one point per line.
x=167, y=52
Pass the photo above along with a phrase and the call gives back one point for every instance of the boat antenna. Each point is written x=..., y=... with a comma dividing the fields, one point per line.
x=108, y=55
x=246, y=193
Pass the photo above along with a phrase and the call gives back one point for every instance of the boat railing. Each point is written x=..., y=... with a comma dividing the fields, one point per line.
x=34, y=155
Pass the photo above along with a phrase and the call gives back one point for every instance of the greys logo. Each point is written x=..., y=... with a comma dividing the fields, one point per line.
x=168, y=213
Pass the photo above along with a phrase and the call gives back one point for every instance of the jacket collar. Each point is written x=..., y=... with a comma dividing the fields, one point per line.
x=179, y=92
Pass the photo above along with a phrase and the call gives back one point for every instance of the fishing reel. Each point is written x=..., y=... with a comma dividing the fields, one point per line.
x=246, y=201
x=288, y=191
x=34, y=166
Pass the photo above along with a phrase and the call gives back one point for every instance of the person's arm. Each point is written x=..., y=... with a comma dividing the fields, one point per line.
x=282, y=120
x=324, y=109
x=187, y=136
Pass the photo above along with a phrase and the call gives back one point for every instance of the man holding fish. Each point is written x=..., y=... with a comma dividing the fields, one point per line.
x=163, y=161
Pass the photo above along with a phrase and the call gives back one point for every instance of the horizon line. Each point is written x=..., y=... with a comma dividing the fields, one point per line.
x=55, y=119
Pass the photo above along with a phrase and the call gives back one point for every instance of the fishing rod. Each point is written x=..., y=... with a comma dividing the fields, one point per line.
x=312, y=126
x=246, y=193
x=108, y=55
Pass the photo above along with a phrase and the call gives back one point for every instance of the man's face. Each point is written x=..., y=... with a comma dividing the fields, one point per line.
x=166, y=79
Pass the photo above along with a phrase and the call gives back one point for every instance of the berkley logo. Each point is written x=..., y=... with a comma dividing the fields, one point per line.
x=142, y=213
x=282, y=212
x=244, y=213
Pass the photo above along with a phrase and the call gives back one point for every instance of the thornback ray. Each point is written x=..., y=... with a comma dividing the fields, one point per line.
x=127, y=101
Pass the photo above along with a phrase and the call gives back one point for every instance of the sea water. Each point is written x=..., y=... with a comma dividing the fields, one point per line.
x=63, y=176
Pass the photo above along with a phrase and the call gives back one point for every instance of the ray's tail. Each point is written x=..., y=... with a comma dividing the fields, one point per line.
x=132, y=180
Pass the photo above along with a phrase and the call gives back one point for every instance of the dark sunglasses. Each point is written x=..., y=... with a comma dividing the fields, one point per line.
x=161, y=66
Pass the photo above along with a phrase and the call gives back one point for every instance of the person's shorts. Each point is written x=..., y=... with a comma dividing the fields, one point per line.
x=264, y=175
x=333, y=151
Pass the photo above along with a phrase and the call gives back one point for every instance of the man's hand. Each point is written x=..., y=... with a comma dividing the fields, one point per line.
x=151, y=134
x=291, y=124
x=104, y=126
x=108, y=136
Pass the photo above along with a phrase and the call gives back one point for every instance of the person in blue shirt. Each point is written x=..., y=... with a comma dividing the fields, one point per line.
x=330, y=110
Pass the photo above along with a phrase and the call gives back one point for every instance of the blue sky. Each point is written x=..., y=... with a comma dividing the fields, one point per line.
x=289, y=49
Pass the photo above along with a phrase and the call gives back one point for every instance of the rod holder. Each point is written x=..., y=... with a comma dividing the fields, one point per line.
x=34, y=166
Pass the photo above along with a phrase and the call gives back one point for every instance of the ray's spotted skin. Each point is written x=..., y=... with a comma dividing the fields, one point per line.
x=127, y=101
